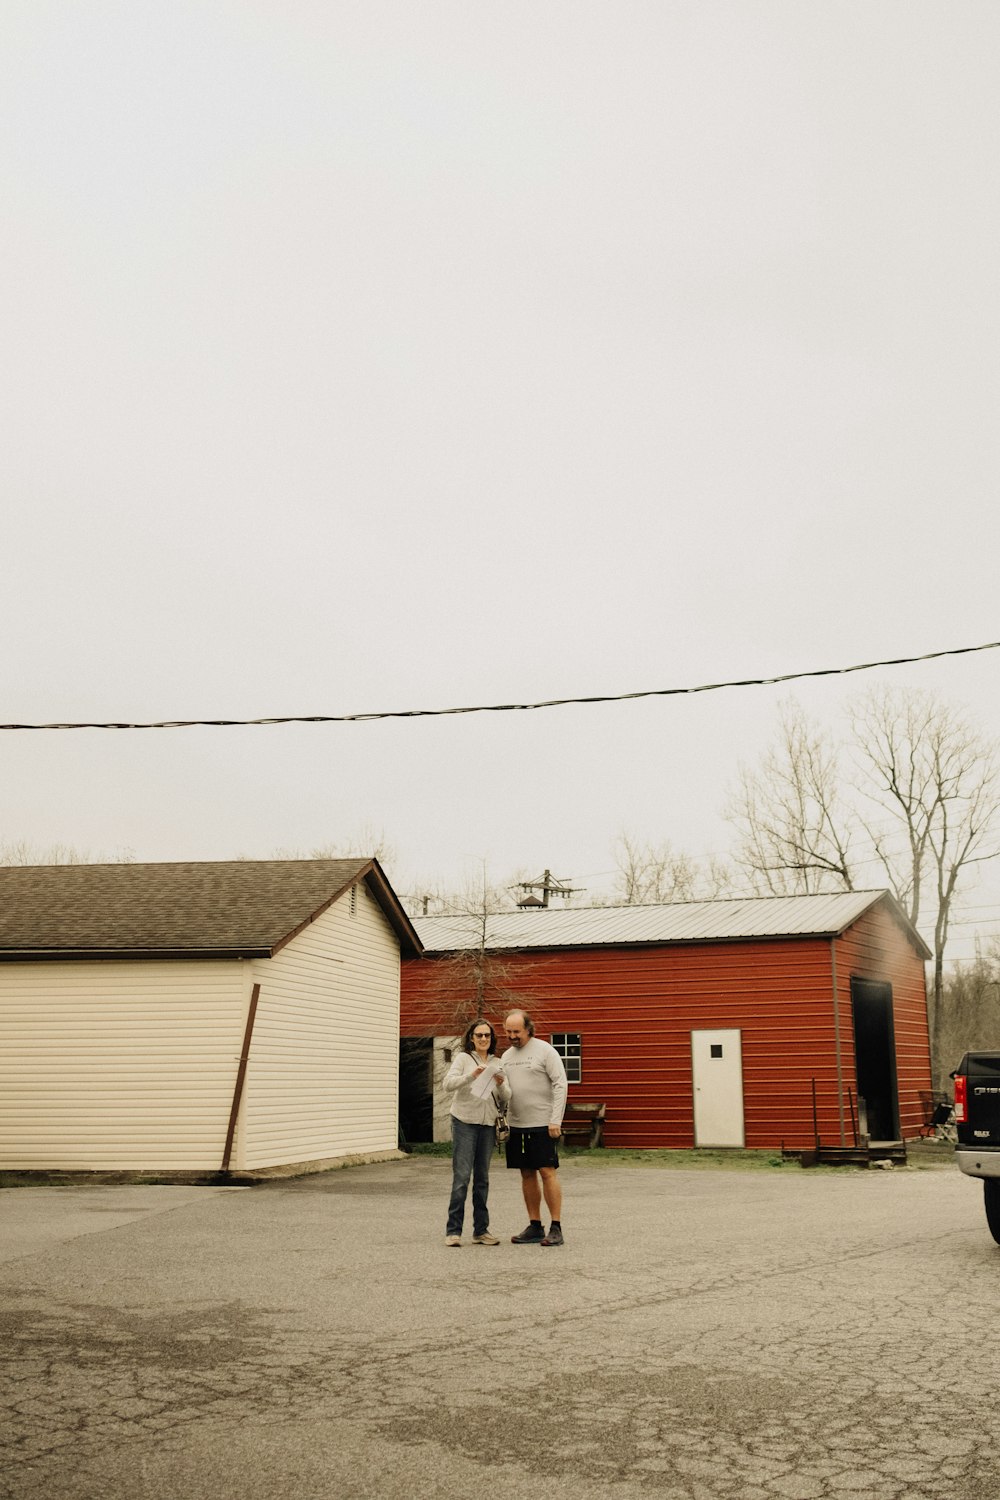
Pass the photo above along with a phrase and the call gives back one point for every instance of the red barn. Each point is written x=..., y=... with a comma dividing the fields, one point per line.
x=700, y=1023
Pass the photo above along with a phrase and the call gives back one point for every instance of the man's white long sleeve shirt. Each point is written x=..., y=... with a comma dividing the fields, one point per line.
x=537, y=1084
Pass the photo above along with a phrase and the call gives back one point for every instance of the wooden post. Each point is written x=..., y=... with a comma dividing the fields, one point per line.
x=241, y=1074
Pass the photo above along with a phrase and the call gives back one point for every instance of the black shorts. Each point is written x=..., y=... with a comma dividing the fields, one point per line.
x=532, y=1148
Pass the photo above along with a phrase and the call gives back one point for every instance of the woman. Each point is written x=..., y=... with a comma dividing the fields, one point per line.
x=472, y=1132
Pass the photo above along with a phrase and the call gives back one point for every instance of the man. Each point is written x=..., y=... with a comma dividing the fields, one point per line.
x=537, y=1081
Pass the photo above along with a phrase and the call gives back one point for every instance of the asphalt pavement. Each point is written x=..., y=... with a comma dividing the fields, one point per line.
x=703, y=1335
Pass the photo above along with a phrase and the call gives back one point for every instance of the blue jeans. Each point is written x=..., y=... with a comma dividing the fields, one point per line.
x=471, y=1153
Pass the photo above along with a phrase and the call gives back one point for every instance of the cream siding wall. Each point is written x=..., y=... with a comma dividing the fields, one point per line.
x=322, y=1079
x=118, y=1066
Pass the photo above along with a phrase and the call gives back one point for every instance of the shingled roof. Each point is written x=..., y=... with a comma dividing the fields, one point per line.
x=229, y=909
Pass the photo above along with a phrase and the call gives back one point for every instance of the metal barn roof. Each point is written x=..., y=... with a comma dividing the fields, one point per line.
x=679, y=922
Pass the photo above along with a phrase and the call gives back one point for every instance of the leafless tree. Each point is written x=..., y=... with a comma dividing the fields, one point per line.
x=475, y=979
x=650, y=873
x=430, y=898
x=932, y=780
x=367, y=840
x=21, y=852
x=922, y=806
x=793, y=830
x=970, y=1013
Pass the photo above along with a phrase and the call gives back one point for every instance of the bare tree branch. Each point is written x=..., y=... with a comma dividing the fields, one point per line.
x=923, y=806
x=477, y=979
x=793, y=832
x=935, y=777
x=970, y=1012
x=650, y=874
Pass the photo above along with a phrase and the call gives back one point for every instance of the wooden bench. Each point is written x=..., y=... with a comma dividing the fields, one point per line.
x=584, y=1122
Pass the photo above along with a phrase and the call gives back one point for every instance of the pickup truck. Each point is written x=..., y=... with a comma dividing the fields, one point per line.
x=977, y=1125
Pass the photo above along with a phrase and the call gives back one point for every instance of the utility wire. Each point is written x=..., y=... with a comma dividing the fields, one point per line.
x=497, y=708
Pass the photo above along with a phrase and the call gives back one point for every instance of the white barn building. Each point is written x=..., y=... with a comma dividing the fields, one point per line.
x=199, y=1017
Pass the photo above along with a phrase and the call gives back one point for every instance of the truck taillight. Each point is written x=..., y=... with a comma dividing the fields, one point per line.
x=960, y=1098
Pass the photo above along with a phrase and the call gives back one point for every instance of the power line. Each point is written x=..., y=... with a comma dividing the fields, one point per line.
x=497, y=708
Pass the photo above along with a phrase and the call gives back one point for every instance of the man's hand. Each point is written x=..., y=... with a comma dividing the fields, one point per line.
x=555, y=1131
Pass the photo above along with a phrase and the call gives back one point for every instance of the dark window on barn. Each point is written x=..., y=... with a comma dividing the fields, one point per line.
x=568, y=1045
x=716, y=1049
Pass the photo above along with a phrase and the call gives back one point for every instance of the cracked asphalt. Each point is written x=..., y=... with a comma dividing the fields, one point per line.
x=704, y=1335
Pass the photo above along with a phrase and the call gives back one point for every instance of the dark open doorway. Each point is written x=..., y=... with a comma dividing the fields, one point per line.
x=875, y=1056
x=416, y=1088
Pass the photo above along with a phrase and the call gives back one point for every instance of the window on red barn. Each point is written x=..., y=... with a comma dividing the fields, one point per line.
x=568, y=1045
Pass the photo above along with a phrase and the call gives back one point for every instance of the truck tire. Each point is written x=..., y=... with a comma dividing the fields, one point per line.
x=991, y=1198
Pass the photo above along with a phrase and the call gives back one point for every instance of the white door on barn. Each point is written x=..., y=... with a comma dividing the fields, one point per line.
x=717, y=1069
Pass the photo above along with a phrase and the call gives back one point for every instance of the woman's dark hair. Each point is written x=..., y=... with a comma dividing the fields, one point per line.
x=469, y=1045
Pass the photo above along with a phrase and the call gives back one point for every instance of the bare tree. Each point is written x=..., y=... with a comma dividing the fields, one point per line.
x=20, y=852
x=650, y=873
x=922, y=807
x=368, y=840
x=970, y=1012
x=474, y=979
x=793, y=830
x=428, y=897
x=934, y=780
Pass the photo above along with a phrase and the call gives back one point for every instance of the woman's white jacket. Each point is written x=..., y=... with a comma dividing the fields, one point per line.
x=465, y=1106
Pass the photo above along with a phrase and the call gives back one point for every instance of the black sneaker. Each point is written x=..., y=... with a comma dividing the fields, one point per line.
x=533, y=1235
x=554, y=1236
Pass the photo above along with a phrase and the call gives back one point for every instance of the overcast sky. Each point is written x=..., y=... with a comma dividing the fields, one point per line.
x=389, y=355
